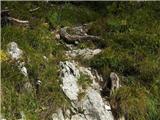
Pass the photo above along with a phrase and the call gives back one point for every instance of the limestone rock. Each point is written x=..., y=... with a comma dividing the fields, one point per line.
x=85, y=53
x=24, y=71
x=14, y=51
x=16, y=54
x=57, y=36
x=94, y=107
x=78, y=117
x=58, y=115
x=69, y=76
x=28, y=86
x=72, y=34
x=115, y=82
x=93, y=78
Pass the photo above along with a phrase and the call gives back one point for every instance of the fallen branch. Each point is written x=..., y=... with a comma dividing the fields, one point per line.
x=35, y=9
x=79, y=34
x=17, y=20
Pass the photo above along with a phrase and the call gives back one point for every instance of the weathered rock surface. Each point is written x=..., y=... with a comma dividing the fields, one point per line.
x=92, y=105
x=85, y=53
x=14, y=51
x=58, y=115
x=22, y=68
x=78, y=117
x=69, y=76
x=73, y=34
x=95, y=78
x=16, y=54
x=115, y=82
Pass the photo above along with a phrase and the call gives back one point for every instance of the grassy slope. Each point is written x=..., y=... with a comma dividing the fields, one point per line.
x=131, y=49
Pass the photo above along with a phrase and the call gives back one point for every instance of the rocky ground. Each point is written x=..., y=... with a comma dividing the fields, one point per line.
x=80, y=61
x=92, y=106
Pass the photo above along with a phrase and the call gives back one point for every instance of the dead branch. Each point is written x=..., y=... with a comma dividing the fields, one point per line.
x=79, y=34
x=35, y=9
x=17, y=20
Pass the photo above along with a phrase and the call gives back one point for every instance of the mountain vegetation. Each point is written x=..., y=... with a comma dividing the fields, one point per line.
x=130, y=47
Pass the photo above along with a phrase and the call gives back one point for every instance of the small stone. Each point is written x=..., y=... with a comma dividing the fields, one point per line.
x=58, y=115
x=115, y=82
x=76, y=42
x=38, y=82
x=45, y=58
x=28, y=86
x=24, y=71
x=107, y=107
x=57, y=36
x=14, y=51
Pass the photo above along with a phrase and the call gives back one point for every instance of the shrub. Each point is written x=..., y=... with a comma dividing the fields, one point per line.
x=131, y=102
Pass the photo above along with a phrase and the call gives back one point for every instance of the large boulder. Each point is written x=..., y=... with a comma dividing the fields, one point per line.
x=69, y=76
x=91, y=106
x=73, y=34
x=94, y=107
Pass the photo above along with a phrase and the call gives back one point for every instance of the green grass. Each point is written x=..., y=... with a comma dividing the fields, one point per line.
x=132, y=101
x=131, y=48
x=69, y=14
x=35, y=43
x=84, y=81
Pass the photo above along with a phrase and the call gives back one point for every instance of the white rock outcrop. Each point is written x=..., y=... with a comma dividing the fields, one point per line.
x=14, y=51
x=58, y=115
x=69, y=76
x=92, y=105
x=78, y=117
x=93, y=77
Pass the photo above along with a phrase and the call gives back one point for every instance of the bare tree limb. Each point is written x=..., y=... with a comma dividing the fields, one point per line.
x=17, y=20
x=35, y=9
x=79, y=34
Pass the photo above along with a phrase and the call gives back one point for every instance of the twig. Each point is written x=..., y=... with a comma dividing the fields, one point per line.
x=32, y=10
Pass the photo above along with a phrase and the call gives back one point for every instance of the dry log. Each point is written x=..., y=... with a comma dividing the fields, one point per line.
x=79, y=34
